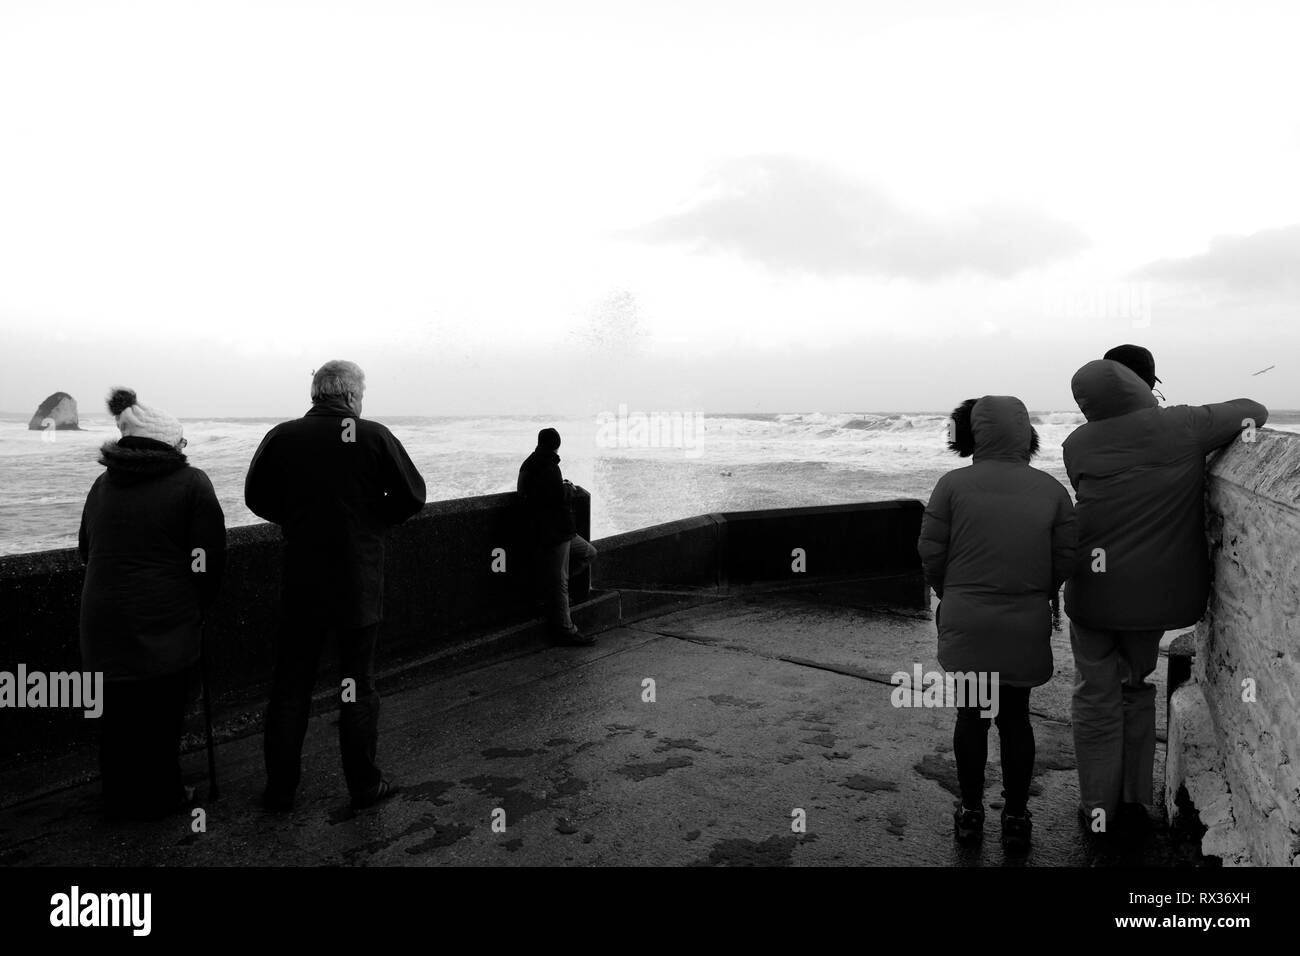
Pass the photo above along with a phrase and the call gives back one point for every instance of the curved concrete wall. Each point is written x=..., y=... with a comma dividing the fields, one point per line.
x=746, y=547
x=440, y=586
x=1234, y=736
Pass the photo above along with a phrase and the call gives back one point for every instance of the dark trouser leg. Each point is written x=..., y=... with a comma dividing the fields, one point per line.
x=1139, y=652
x=296, y=659
x=117, y=756
x=581, y=557
x=970, y=746
x=1097, y=713
x=555, y=560
x=140, y=745
x=359, y=717
x=171, y=694
x=1016, y=737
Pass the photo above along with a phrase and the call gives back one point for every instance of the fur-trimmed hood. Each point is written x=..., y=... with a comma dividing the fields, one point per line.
x=137, y=459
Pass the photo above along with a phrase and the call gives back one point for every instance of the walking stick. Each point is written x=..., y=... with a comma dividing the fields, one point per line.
x=213, y=792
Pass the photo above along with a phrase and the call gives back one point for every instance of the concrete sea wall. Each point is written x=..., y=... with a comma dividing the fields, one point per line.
x=1234, y=732
x=439, y=584
x=736, y=548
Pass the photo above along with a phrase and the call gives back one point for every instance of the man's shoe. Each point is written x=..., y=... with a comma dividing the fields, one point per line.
x=1132, y=821
x=382, y=791
x=968, y=825
x=276, y=802
x=573, y=638
x=1016, y=830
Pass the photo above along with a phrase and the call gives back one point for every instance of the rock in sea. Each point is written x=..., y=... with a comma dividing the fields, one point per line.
x=61, y=409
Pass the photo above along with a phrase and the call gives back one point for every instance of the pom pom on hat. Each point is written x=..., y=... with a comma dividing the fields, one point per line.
x=119, y=399
x=142, y=421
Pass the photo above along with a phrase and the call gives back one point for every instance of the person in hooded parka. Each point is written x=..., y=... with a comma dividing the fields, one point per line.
x=997, y=541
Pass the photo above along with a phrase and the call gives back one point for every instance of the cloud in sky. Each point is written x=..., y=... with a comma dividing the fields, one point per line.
x=1263, y=261
x=791, y=214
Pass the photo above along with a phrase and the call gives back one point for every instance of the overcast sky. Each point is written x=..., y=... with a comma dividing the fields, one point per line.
x=533, y=207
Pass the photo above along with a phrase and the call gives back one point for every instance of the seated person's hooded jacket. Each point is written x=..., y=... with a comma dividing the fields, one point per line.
x=545, y=498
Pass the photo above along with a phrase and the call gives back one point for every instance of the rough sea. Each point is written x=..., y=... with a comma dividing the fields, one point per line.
x=639, y=471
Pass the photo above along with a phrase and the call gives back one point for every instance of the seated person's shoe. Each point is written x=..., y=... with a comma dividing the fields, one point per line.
x=968, y=825
x=382, y=791
x=1016, y=831
x=573, y=638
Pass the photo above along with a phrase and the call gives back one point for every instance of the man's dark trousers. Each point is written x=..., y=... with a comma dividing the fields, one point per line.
x=296, y=662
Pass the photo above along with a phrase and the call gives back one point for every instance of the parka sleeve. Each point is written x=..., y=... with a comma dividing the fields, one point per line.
x=933, y=543
x=262, y=491
x=83, y=539
x=207, y=532
x=404, y=490
x=1217, y=425
x=1067, y=458
x=1064, y=542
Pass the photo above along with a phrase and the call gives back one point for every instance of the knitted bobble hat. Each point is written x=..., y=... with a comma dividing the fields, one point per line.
x=142, y=421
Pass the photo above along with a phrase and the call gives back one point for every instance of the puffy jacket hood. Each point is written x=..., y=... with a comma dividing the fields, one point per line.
x=1107, y=389
x=132, y=459
x=1001, y=429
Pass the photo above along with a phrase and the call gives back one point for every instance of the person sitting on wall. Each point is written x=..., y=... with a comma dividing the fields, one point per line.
x=335, y=483
x=547, y=499
x=1138, y=470
x=153, y=538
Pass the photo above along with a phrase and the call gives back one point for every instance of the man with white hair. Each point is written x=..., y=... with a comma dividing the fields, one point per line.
x=335, y=483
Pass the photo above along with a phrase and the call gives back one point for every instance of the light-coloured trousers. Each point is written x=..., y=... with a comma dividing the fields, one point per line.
x=1114, y=716
x=557, y=560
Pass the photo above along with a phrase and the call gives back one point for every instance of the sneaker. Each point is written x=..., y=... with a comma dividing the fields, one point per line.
x=968, y=825
x=1016, y=829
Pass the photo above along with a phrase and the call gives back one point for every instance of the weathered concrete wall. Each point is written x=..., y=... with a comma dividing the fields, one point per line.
x=678, y=554
x=1246, y=780
x=834, y=541
x=736, y=548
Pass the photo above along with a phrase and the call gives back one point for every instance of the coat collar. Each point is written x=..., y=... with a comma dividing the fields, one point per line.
x=334, y=408
x=135, y=457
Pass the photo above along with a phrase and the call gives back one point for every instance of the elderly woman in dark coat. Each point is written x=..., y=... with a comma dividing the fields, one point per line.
x=997, y=541
x=153, y=538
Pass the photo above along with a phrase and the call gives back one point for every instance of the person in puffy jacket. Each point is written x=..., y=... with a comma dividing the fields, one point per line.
x=1138, y=471
x=997, y=541
x=153, y=538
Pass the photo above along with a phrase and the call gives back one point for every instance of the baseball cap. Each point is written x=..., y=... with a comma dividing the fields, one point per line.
x=1136, y=358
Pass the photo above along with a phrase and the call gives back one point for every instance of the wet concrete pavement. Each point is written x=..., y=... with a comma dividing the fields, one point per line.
x=765, y=704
